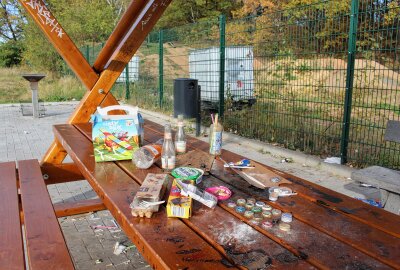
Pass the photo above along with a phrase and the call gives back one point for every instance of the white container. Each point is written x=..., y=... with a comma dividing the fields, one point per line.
x=239, y=78
x=133, y=69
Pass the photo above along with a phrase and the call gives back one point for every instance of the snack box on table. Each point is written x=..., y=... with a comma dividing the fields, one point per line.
x=178, y=205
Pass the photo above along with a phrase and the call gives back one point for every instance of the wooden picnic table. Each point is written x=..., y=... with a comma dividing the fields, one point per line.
x=329, y=230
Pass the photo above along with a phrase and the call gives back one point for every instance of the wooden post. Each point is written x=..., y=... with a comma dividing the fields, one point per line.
x=131, y=31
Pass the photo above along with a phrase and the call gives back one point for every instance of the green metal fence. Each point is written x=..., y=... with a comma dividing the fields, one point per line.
x=321, y=78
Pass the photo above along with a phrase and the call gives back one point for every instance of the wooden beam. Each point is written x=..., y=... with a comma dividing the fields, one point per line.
x=119, y=32
x=54, y=32
x=79, y=207
x=60, y=173
x=136, y=33
x=61, y=41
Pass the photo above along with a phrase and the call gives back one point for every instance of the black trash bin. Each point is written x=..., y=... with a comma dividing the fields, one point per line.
x=187, y=99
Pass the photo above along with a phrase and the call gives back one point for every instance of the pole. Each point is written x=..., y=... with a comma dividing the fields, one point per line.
x=87, y=53
x=35, y=100
x=349, y=81
x=160, y=68
x=127, y=91
x=222, y=25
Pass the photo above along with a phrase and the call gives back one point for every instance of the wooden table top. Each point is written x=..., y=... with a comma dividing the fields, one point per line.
x=329, y=230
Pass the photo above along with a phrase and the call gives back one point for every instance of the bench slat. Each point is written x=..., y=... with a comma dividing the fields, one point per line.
x=11, y=245
x=46, y=246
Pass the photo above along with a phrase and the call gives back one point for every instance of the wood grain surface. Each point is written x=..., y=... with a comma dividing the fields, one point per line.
x=46, y=247
x=11, y=245
x=322, y=236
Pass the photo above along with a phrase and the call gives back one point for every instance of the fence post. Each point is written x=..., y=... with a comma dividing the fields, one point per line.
x=160, y=68
x=349, y=81
x=127, y=91
x=88, y=53
x=222, y=39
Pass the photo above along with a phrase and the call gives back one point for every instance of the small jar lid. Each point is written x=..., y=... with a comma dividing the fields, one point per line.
x=284, y=226
x=240, y=209
x=186, y=173
x=258, y=217
x=276, y=212
x=249, y=205
x=241, y=202
x=231, y=204
x=267, y=214
x=256, y=209
x=254, y=221
x=260, y=203
x=286, y=217
x=251, y=200
x=266, y=224
x=273, y=196
x=267, y=207
x=248, y=214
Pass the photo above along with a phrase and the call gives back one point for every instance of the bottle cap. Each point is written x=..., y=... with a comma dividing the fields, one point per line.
x=276, y=212
x=256, y=209
x=267, y=207
x=231, y=204
x=260, y=203
x=284, y=227
x=267, y=214
x=266, y=224
x=249, y=206
x=241, y=202
x=248, y=214
x=251, y=200
x=240, y=209
x=258, y=217
x=286, y=217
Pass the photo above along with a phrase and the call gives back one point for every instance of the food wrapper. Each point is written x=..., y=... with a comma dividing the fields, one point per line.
x=152, y=190
x=195, y=193
x=178, y=204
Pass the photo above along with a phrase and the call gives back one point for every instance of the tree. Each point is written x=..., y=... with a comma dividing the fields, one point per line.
x=11, y=20
x=182, y=12
x=86, y=22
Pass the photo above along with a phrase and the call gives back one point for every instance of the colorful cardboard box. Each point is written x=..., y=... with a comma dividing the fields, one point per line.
x=116, y=137
x=178, y=205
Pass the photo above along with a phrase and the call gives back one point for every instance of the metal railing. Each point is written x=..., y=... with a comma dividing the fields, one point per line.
x=321, y=78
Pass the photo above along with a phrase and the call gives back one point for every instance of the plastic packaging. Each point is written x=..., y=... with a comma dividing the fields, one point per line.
x=146, y=155
x=180, y=137
x=168, y=150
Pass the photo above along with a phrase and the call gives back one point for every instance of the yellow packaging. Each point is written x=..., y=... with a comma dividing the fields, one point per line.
x=178, y=205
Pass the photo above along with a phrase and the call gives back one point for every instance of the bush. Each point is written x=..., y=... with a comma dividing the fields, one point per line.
x=10, y=53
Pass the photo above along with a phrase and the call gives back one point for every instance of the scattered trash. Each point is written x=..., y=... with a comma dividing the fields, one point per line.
x=98, y=261
x=125, y=262
x=120, y=248
x=94, y=217
x=371, y=202
x=222, y=193
x=366, y=185
x=95, y=227
x=287, y=160
x=26, y=132
x=242, y=164
x=332, y=160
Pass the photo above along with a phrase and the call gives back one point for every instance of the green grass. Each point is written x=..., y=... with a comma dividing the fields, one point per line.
x=15, y=89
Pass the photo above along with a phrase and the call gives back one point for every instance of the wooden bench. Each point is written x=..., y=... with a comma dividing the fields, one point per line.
x=27, y=216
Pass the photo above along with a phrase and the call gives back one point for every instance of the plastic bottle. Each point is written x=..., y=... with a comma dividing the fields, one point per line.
x=146, y=155
x=168, y=150
x=180, y=137
x=216, y=137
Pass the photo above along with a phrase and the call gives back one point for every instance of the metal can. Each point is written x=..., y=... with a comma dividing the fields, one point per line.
x=260, y=203
x=267, y=214
x=251, y=200
x=286, y=217
x=248, y=214
x=240, y=209
x=241, y=202
x=249, y=206
x=276, y=212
